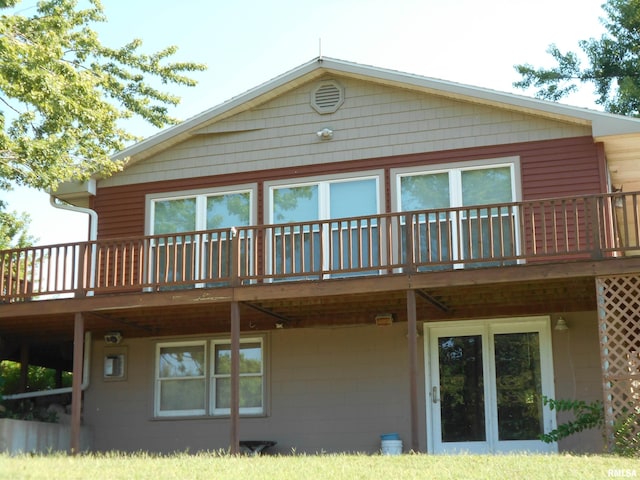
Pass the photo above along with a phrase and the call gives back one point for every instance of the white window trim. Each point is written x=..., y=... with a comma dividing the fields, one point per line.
x=488, y=328
x=456, y=168
x=322, y=181
x=208, y=377
x=201, y=205
x=212, y=377
x=158, y=381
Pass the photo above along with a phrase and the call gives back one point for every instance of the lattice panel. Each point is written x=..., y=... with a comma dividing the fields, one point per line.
x=619, y=327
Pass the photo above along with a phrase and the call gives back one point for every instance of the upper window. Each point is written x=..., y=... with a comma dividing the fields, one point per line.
x=456, y=187
x=184, y=378
x=324, y=200
x=297, y=249
x=203, y=211
x=472, y=232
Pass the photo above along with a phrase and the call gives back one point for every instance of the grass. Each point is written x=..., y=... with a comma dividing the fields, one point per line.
x=219, y=466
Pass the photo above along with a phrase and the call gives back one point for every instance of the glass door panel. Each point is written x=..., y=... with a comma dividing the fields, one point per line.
x=173, y=256
x=518, y=386
x=296, y=248
x=355, y=243
x=431, y=233
x=487, y=233
x=222, y=212
x=485, y=384
x=462, y=402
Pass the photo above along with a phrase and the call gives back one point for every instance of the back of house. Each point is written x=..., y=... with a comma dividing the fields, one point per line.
x=397, y=254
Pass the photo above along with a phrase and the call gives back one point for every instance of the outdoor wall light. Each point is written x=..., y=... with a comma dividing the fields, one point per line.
x=325, y=134
x=384, y=319
x=113, y=338
x=561, y=325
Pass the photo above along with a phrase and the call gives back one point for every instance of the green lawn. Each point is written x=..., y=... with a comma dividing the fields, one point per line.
x=325, y=467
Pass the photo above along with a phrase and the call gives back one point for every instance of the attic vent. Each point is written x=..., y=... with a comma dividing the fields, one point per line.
x=327, y=97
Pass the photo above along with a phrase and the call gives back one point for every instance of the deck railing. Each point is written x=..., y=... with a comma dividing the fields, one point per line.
x=552, y=230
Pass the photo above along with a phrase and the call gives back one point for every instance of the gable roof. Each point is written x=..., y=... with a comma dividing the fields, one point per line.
x=620, y=134
x=603, y=124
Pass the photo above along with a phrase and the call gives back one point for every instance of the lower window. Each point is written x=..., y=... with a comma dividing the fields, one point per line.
x=194, y=378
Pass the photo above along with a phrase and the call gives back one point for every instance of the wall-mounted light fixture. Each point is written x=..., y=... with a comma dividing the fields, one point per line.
x=561, y=325
x=113, y=338
x=325, y=134
x=384, y=319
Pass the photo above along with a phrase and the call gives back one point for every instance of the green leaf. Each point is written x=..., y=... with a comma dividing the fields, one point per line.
x=63, y=94
x=613, y=64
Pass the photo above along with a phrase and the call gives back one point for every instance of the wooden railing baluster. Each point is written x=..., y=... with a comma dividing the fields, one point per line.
x=551, y=230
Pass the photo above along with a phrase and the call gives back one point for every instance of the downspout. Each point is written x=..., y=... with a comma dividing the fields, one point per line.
x=93, y=233
x=57, y=391
x=93, y=215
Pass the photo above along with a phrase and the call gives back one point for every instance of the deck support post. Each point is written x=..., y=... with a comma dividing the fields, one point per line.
x=412, y=338
x=235, y=379
x=76, y=385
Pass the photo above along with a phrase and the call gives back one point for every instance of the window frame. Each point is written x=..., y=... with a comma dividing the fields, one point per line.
x=201, y=197
x=158, y=381
x=209, y=410
x=455, y=191
x=455, y=170
x=213, y=376
x=323, y=182
x=201, y=202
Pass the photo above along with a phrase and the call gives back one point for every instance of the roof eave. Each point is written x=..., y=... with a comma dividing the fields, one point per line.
x=602, y=124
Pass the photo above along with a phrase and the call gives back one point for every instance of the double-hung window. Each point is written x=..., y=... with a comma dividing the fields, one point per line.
x=182, y=251
x=194, y=378
x=465, y=222
x=314, y=243
x=251, y=377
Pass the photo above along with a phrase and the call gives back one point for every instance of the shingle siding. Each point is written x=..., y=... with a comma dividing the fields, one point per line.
x=374, y=121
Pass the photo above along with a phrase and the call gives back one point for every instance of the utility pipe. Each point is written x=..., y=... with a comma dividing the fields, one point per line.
x=57, y=391
x=93, y=233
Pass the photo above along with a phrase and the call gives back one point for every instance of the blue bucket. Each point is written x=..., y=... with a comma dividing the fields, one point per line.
x=389, y=436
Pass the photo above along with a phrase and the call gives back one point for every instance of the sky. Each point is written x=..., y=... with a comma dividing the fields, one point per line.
x=245, y=43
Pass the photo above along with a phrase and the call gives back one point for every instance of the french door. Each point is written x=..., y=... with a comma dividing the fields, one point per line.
x=311, y=245
x=470, y=233
x=485, y=383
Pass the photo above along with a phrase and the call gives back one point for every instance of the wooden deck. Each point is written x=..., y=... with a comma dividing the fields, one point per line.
x=525, y=258
x=490, y=260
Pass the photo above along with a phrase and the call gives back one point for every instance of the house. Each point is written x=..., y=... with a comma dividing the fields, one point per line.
x=343, y=252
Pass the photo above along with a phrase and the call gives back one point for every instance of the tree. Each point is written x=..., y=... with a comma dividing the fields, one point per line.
x=63, y=95
x=14, y=229
x=613, y=64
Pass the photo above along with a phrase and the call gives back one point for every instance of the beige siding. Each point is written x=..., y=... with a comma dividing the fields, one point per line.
x=374, y=121
x=333, y=389
x=329, y=389
x=576, y=354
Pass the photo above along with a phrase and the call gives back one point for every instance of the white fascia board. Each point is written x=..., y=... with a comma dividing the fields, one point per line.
x=71, y=189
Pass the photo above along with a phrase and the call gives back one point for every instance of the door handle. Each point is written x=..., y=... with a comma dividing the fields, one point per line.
x=434, y=395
